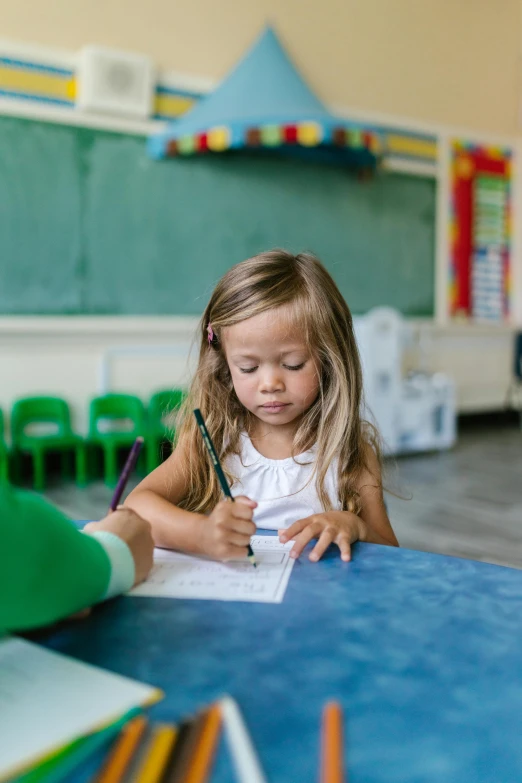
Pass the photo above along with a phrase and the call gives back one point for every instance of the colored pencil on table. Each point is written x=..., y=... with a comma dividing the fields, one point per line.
x=177, y=750
x=123, y=752
x=246, y=763
x=127, y=470
x=204, y=752
x=156, y=755
x=189, y=733
x=219, y=470
x=332, y=764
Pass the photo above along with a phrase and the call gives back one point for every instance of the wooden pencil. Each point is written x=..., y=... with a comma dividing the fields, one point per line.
x=332, y=763
x=121, y=755
x=178, y=749
x=205, y=750
x=179, y=763
x=156, y=756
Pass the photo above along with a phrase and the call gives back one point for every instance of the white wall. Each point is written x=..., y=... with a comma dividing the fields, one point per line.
x=478, y=357
x=67, y=357
x=441, y=61
x=78, y=358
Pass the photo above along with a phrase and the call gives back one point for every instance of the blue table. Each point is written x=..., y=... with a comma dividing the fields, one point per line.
x=423, y=651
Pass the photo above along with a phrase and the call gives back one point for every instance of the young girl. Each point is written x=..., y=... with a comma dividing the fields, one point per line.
x=279, y=385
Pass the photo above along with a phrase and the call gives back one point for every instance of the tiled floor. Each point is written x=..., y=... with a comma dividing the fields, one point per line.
x=467, y=502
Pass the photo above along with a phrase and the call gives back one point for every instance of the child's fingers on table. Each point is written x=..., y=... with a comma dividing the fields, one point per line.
x=325, y=539
x=293, y=530
x=345, y=545
x=312, y=530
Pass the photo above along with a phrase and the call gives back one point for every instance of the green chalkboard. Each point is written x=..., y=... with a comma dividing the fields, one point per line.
x=88, y=224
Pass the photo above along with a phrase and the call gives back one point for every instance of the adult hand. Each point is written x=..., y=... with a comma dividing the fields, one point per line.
x=135, y=531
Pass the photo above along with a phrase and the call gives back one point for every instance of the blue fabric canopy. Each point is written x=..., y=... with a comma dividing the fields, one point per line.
x=265, y=103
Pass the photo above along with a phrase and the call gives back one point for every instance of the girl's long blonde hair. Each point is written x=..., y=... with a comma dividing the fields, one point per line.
x=301, y=285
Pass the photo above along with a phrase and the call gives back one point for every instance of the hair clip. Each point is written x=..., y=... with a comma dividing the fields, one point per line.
x=210, y=333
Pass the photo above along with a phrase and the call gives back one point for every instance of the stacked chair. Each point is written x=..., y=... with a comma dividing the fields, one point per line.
x=42, y=425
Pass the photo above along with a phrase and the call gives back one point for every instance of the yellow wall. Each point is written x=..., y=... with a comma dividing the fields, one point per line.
x=454, y=62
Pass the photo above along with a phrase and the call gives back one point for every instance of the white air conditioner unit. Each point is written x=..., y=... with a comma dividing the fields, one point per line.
x=113, y=82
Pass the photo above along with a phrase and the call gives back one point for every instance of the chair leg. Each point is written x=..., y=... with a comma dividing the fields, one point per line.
x=4, y=470
x=16, y=461
x=166, y=448
x=153, y=456
x=38, y=470
x=81, y=465
x=111, y=468
x=95, y=461
x=65, y=464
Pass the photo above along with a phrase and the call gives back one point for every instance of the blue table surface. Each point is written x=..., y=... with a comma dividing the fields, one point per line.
x=423, y=651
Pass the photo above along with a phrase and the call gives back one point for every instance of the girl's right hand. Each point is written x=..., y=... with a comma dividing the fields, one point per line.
x=228, y=529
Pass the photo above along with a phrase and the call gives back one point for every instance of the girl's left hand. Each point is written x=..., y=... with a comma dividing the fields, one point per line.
x=331, y=527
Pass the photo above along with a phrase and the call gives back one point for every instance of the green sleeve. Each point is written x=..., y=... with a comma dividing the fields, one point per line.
x=48, y=569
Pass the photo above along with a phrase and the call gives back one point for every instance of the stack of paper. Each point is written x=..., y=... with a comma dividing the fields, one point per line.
x=48, y=700
x=184, y=576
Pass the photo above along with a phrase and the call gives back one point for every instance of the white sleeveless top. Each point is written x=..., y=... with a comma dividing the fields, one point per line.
x=281, y=487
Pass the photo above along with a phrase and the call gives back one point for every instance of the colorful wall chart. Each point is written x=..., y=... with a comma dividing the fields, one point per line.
x=480, y=232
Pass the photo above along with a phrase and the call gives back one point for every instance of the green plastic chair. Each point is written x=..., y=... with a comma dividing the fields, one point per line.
x=4, y=454
x=43, y=424
x=161, y=414
x=115, y=421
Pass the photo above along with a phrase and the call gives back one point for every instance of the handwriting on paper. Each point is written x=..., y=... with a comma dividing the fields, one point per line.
x=182, y=576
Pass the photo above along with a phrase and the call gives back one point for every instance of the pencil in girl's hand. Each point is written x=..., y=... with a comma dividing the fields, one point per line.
x=332, y=765
x=127, y=470
x=219, y=470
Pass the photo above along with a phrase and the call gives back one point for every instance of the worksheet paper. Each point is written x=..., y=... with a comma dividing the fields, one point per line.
x=47, y=700
x=183, y=576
